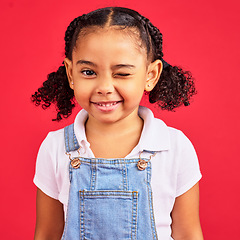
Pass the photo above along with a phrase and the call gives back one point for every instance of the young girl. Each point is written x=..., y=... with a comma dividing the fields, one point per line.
x=117, y=172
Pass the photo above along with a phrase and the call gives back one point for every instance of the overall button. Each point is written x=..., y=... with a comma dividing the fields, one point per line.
x=76, y=163
x=142, y=164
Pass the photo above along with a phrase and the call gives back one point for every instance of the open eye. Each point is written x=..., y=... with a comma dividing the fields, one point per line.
x=88, y=72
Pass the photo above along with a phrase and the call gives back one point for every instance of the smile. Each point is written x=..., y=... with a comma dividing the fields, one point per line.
x=107, y=106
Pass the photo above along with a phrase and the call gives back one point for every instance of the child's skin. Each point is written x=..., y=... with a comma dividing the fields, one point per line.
x=109, y=73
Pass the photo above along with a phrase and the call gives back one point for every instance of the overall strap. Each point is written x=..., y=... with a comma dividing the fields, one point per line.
x=71, y=143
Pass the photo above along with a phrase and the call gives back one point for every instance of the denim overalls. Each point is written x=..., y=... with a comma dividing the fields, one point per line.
x=109, y=199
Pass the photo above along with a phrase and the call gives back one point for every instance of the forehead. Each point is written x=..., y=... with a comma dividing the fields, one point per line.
x=118, y=36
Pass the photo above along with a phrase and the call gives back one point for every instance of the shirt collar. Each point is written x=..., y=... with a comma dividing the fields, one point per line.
x=79, y=128
x=155, y=134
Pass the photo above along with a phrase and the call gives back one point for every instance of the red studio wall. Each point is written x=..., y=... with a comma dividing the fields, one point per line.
x=201, y=36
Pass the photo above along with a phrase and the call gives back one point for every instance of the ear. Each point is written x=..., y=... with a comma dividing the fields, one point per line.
x=68, y=66
x=153, y=74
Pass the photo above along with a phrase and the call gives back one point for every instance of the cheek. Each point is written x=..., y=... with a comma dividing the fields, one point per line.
x=81, y=91
x=132, y=90
x=135, y=85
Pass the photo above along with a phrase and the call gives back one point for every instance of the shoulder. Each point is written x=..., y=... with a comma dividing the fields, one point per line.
x=55, y=134
x=177, y=137
x=157, y=136
x=182, y=153
x=54, y=143
x=174, y=133
x=179, y=143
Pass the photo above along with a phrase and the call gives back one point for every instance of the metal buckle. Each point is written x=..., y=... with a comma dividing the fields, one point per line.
x=142, y=164
x=75, y=162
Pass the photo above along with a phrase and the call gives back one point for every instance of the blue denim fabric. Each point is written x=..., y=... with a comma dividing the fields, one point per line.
x=109, y=199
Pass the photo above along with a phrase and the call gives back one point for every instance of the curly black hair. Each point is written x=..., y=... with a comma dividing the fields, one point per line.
x=174, y=88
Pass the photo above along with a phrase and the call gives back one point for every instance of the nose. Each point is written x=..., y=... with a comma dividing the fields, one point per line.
x=105, y=86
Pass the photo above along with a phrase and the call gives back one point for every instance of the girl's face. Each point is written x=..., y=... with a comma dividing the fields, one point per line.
x=109, y=73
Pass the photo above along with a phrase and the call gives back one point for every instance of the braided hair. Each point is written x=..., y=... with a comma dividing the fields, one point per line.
x=174, y=88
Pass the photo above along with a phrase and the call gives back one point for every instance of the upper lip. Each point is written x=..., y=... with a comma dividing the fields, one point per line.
x=105, y=102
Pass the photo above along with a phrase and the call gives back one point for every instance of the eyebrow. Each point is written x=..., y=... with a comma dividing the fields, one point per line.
x=86, y=62
x=114, y=67
x=123, y=66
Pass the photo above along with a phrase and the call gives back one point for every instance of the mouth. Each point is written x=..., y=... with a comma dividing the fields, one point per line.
x=106, y=106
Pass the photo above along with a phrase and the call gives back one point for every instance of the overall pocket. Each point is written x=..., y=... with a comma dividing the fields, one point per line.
x=108, y=215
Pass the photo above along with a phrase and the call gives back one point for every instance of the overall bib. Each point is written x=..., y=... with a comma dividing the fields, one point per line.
x=109, y=199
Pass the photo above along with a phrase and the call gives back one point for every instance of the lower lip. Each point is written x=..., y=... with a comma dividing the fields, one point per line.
x=107, y=108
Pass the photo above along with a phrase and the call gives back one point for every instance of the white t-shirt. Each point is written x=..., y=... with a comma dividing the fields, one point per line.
x=175, y=167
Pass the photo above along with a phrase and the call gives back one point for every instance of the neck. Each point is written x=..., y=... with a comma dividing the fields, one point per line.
x=132, y=123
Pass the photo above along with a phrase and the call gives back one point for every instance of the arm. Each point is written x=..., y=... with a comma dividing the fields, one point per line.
x=185, y=216
x=50, y=218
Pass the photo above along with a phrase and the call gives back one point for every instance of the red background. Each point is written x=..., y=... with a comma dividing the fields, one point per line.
x=201, y=36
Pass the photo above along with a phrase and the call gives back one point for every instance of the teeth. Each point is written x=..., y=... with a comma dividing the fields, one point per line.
x=107, y=104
